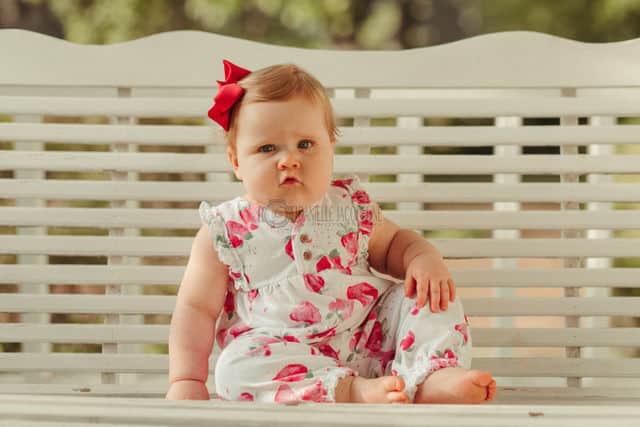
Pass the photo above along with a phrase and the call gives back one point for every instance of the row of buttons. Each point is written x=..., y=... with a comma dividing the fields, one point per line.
x=304, y=238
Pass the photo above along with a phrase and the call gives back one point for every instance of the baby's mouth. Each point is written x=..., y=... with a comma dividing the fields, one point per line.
x=290, y=181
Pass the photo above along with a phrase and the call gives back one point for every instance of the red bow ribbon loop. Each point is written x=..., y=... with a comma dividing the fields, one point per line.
x=229, y=92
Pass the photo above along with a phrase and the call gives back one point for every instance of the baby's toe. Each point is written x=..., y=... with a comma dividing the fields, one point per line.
x=491, y=391
x=480, y=378
x=398, y=397
x=393, y=383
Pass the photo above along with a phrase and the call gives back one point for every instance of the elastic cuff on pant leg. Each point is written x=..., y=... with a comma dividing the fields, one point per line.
x=416, y=378
x=332, y=380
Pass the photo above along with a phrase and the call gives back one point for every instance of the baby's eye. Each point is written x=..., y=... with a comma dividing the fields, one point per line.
x=305, y=143
x=267, y=148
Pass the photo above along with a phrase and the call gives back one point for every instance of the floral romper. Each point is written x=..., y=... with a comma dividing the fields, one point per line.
x=304, y=310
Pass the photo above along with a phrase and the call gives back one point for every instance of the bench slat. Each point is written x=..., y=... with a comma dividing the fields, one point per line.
x=461, y=106
x=155, y=363
x=466, y=136
x=511, y=395
x=371, y=164
x=112, y=412
x=482, y=337
x=150, y=304
x=457, y=248
x=466, y=278
x=551, y=62
x=67, y=394
x=381, y=192
x=433, y=220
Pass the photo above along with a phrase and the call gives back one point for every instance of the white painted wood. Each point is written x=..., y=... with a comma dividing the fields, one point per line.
x=468, y=136
x=456, y=248
x=389, y=192
x=598, y=322
x=551, y=62
x=524, y=106
x=465, y=278
x=488, y=307
x=137, y=412
x=510, y=263
x=356, y=163
x=41, y=288
x=433, y=220
x=603, y=78
x=482, y=337
x=133, y=392
x=155, y=363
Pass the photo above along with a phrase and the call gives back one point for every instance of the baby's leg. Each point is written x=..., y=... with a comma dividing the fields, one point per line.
x=433, y=353
x=267, y=368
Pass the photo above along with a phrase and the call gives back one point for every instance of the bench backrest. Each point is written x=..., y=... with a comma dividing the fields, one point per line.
x=513, y=152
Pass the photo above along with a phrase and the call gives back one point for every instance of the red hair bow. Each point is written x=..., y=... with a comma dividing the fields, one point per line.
x=229, y=92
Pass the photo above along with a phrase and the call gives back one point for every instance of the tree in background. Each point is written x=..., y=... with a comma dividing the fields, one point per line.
x=358, y=24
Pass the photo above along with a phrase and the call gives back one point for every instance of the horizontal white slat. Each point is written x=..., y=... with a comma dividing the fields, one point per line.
x=482, y=337
x=138, y=395
x=149, y=304
x=96, y=304
x=555, y=337
x=582, y=407
x=102, y=217
x=96, y=246
x=525, y=106
x=381, y=192
x=530, y=306
x=433, y=220
x=467, y=136
x=123, y=334
x=456, y=248
x=553, y=220
x=553, y=367
x=380, y=164
x=545, y=248
x=56, y=391
x=154, y=363
x=183, y=218
x=92, y=274
x=84, y=362
x=473, y=107
x=551, y=62
x=171, y=275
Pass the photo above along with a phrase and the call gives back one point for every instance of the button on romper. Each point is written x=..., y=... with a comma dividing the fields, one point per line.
x=303, y=308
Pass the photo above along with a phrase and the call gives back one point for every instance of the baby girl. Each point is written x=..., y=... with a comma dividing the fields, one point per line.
x=286, y=272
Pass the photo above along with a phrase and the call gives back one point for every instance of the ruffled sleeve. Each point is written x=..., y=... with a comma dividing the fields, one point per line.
x=211, y=216
x=363, y=209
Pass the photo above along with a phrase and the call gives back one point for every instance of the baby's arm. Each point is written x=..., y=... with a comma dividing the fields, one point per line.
x=404, y=254
x=200, y=299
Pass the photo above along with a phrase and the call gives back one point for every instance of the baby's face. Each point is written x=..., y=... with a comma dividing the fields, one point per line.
x=280, y=140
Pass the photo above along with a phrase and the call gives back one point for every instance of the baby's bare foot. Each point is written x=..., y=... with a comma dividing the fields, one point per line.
x=389, y=389
x=456, y=385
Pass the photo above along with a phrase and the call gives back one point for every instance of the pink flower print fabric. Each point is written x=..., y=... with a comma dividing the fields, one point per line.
x=303, y=308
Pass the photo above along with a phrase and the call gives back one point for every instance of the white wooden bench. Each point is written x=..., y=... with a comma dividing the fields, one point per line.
x=94, y=235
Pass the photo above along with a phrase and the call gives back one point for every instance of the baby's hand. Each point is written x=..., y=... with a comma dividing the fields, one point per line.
x=433, y=281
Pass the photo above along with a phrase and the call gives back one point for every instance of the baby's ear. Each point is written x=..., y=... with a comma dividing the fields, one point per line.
x=232, y=155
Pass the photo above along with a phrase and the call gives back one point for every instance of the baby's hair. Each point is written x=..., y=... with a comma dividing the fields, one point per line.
x=281, y=83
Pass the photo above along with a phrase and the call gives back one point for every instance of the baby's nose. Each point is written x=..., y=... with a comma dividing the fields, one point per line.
x=288, y=160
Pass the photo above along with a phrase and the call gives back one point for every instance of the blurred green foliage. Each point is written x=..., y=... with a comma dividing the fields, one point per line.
x=364, y=24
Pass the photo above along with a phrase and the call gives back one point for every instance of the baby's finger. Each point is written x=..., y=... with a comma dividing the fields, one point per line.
x=434, y=295
x=452, y=289
x=444, y=298
x=422, y=289
x=408, y=285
